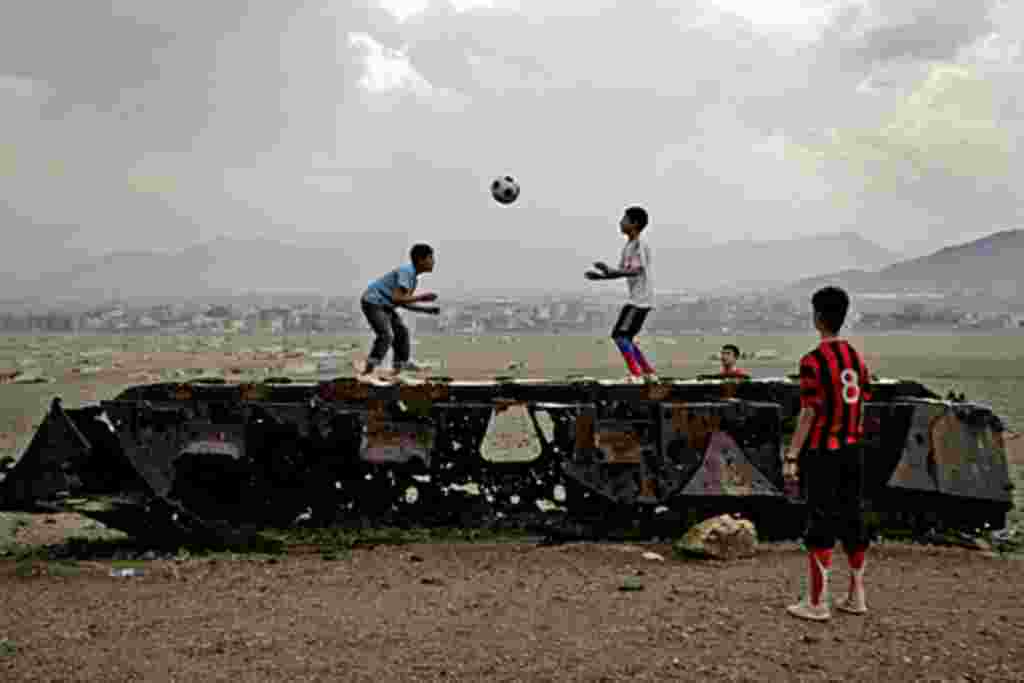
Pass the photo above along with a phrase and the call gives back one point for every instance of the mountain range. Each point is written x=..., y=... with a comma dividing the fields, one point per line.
x=743, y=266
x=229, y=266
x=989, y=266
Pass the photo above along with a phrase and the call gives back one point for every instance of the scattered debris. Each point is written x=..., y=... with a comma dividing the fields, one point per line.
x=66, y=569
x=9, y=525
x=126, y=572
x=33, y=379
x=631, y=583
x=955, y=538
x=94, y=353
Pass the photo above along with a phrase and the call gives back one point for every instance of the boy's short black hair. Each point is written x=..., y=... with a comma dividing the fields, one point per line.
x=831, y=304
x=732, y=347
x=637, y=215
x=420, y=252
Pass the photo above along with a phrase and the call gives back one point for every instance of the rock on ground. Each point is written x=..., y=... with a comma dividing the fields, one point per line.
x=724, y=538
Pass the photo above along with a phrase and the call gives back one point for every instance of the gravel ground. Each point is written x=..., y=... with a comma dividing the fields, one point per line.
x=506, y=612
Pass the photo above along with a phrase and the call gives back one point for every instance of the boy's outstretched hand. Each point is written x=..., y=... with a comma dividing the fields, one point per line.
x=430, y=310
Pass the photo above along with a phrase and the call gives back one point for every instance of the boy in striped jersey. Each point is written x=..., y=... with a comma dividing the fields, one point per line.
x=833, y=387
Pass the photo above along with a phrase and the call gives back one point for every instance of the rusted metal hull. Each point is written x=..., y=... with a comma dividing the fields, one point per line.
x=217, y=460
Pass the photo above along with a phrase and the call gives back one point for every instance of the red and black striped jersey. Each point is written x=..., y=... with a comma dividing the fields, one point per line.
x=834, y=382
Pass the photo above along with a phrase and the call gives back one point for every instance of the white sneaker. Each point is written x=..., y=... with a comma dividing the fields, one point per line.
x=413, y=366
x=805, y=610
x=362, y=368
x=371, y=378
x=852, y=604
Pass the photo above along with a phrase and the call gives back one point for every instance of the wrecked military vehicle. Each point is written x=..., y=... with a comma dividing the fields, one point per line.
x=214, y=462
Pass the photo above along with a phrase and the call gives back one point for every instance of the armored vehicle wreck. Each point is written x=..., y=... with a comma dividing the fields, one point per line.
x=215, y=461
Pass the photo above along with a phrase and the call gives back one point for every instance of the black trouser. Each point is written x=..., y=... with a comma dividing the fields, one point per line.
x=631, y=319
x=391, y=333
x=627, y=326
x=835, y=504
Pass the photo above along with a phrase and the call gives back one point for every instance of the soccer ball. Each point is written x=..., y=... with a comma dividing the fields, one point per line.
x=505, y=190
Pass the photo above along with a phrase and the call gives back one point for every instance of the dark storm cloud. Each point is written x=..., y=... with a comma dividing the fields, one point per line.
x=886, y=30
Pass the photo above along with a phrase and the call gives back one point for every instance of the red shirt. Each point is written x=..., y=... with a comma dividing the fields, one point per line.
x=834, y=382
x=735, y=372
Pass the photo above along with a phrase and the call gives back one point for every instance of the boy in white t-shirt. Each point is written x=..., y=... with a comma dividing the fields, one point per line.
x=635, y=266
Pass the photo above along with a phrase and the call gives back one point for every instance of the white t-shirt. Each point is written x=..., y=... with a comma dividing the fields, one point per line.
x=637, y=254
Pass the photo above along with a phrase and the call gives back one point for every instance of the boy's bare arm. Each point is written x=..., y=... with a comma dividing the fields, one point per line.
x=432, y=310
x=611, y=274
x=403, y=297
x=803, y=430
x=606, y=273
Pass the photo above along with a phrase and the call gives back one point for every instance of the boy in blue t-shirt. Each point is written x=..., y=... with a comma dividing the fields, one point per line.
x=380, y=302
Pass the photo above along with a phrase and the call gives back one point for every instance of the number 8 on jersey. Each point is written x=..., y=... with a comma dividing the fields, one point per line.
x=851, y=386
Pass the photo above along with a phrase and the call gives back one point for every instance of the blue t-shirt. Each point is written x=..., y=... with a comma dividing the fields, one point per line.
x=379, y=291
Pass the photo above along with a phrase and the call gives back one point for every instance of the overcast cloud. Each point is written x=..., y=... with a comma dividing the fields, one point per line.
x=138, y=124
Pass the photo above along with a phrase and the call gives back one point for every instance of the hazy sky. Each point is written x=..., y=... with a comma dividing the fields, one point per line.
x=135, y=124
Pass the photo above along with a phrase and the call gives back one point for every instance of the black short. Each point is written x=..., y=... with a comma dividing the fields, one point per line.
x=631, y=319
x=834, y=485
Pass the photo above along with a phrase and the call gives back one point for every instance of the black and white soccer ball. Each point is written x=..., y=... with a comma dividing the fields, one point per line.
x=505, y=189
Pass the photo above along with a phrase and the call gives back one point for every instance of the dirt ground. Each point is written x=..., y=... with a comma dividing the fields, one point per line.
x=499, y=611
x=504, y=612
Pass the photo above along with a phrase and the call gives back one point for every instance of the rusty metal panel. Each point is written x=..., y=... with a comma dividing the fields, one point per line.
x=387, y=440
x=250, y=391
x=612, y=482
x=949, y=450
x=42, y=470
x=586, y=430
x=915, y=469
x=703, y=445
x=726, y=471
x=617, y=442
x=344, y=389
x=215, y=439
x=968, y=461
x=690, y=424
x=623, y=442
x=510, y=435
